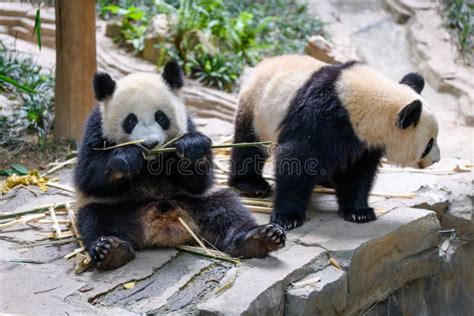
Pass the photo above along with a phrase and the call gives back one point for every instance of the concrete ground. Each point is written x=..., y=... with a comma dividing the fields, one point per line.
x=398, y=263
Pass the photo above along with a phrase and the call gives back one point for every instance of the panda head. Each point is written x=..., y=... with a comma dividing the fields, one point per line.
x=142, y=106
x=416, y=119
x=390, y=115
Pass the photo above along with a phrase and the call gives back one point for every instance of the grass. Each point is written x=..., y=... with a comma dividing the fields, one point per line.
x=461, y=19
x=214, y=40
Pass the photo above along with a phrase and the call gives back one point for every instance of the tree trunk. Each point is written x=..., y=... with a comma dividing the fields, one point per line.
x=75, y=66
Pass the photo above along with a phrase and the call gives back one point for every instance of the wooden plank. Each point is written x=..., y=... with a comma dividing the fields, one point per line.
x=75, y=66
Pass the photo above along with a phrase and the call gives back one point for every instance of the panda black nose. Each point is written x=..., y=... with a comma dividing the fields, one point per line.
x=151, y=144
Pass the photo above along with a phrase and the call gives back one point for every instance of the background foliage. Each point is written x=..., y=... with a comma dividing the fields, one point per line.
x=460, y=15
x=214, y=39
x=35, y=112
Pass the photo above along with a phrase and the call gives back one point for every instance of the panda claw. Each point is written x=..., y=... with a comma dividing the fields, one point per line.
x=360, y=215
x=111, y=252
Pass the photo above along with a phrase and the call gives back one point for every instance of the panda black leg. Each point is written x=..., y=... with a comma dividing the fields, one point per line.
x=247, y=162
x=225, y=223
x=109, y=234
x=291, y=199
x=353, y=187
x=294, y=185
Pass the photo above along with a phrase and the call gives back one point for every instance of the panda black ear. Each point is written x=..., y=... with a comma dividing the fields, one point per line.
x=104, y=86
x=173, y=75
x=414, y=80
x=410, y=114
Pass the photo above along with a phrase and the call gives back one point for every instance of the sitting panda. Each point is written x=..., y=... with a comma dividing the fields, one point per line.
x=333, y=123
x=128, y=203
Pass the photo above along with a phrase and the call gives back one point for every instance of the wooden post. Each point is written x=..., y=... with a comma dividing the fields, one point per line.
x=75, y=66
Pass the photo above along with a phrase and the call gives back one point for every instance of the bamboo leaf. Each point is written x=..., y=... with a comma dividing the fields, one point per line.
x=20, y=169
x=37, y=27
x=16, y=84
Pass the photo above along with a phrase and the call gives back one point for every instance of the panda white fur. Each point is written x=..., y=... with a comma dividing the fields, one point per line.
x=127, y=203
x=333, y=123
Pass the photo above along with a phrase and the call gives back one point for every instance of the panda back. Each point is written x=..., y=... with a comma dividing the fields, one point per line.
x=271, y=88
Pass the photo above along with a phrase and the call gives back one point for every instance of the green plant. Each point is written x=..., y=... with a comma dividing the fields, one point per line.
x=214, y=39
x=34, y=107
x=134, y=24
x=461, y=18
x=216, y=70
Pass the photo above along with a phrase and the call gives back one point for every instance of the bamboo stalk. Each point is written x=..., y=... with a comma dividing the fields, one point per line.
x=75, y=252
x=45, y=243
x=213, y=254
x=38, y=209
x=72, y=217
x=60, y=186
x=47, y=221
x=133, y=142
x=190, y=231
x=237, y=145
x=60, y=165
x=304, y=283
x=28, y=189
x=259, y=209
x=228, y=284
x=56, y=223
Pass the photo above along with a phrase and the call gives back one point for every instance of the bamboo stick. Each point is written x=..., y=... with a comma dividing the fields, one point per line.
x=213, y=254
x=60, y=165
x=56, y=223
x=38, y=209
x=133, y=142
x=190, y=231
x=60, y=186
x=237, y=145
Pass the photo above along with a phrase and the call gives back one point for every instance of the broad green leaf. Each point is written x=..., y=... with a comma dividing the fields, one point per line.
x=20, y=169
x=6, y=172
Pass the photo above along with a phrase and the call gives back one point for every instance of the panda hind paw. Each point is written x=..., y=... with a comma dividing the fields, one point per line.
x=261, y=240
x=109, y=252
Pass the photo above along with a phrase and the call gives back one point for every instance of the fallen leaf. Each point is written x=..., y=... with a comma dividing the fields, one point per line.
x=129, y=285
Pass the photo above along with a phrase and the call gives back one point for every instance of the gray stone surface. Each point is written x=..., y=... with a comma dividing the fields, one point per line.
x=260, y=284
x=326, y=297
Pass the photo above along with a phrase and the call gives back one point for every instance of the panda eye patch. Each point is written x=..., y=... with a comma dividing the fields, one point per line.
x=428, y=148
x=162, y=119
x=129, y=123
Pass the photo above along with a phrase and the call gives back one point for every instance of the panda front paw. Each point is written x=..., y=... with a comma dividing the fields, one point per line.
x=125, y=163
x=288, y=221
x=109, y=252
x=360, y=215
x=193, y=146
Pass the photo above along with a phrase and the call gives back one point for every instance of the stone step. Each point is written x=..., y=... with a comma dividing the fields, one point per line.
x=46, y=29
x=25, y=34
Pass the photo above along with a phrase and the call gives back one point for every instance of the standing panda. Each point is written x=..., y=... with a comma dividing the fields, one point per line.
x=128, y=203
x=333, y=123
